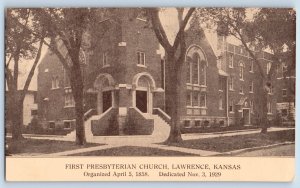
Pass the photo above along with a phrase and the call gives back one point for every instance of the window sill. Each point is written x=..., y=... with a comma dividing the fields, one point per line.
x=220, y=90
x=55, y=88
x=231, y=112
x=269, y=113
x=231, y=67
x=104, y=66
x=140, y=65
x=242, y=93
x=231, y=90
x=251, y=71
x=242, y=80
x=251, y=92
x=69, y=106
x=196, y=107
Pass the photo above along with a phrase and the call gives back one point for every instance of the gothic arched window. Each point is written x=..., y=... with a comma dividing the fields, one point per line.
x=196, y=65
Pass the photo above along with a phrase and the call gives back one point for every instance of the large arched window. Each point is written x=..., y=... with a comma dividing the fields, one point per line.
x=196, y=65
x=195, y=68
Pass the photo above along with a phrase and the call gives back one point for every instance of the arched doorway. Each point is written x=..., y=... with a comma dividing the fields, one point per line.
x=104, y=85
x=142, y=95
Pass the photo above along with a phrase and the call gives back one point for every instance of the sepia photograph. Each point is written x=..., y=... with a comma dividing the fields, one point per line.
x=150, y=82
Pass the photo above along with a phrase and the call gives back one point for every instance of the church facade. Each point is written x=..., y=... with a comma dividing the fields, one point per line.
x=124, y=82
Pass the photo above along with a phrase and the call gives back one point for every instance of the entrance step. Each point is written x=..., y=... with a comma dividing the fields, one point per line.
x=87, y=129
x=161, y=129
x=160, y=132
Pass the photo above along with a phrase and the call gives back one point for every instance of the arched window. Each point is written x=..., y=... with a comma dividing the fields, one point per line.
x=241, y=70
x=196, y=65
x=195, y=68
x=55, y=82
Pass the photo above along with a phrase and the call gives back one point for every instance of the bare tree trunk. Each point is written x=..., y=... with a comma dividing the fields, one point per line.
x=77, y=90
x=17, y=98
x=173, y=100
x=264, y=122
x=17, y=115
x=80, y=132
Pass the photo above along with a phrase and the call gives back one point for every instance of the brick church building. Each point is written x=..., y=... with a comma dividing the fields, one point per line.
x=124, y=82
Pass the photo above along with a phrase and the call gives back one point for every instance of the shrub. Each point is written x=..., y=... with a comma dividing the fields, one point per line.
x=241, y=121
x=205, y=123
x=215, y=124
x=221, y=123
x=277, y=120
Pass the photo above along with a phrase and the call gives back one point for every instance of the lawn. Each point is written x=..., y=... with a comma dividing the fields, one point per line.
x=284, y=150
x=133, y=151
x=30, y=146
x=230, y=143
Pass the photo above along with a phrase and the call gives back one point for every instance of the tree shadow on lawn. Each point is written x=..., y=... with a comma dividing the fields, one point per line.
x=41, y=146
x=230, y=143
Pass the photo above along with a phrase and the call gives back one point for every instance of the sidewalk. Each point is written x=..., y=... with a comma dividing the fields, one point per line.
x=230, y=133
x=150, y=141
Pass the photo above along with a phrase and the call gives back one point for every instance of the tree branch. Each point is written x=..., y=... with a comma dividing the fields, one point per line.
x=158, y=29
x=53, y=47
x=31, y=73
x=182, y=27
x=7, y=64
x=250, y=52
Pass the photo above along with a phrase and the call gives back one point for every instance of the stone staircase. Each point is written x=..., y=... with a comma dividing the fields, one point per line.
x=161, y=129
x=160, y=132
x=87, y=129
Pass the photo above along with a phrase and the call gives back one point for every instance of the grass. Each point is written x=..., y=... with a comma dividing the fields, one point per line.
x=30, y=146
x=284, y=150
x=230, y=143
x=133, y=151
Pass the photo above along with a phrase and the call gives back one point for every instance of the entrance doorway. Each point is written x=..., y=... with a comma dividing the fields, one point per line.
x=107, y=100
x=246, y=116
x=141, y=101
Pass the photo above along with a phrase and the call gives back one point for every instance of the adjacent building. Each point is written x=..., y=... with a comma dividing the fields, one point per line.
x=30, y=108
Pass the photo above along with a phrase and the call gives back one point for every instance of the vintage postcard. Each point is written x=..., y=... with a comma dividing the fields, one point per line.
x=150, y=94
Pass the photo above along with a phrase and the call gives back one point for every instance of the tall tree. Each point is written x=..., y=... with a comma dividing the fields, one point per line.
x=20, y=46
x=282, y=42
x=254, y=33
x=68, y=31
x=66, y=28
x=175, y=57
